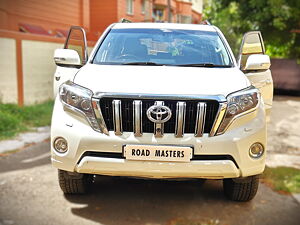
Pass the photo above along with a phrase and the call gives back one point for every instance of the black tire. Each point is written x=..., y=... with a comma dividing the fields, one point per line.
x=241, y=189
x=74, y=183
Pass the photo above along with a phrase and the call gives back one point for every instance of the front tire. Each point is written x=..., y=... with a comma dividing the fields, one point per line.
x=241, y=189
x=74, y=183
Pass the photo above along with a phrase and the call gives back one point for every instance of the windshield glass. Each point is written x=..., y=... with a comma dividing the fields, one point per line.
x=162, y=47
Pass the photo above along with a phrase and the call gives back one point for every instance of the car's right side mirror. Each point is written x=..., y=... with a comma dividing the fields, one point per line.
x=67, y=57
x=257, y=62
x=74, y=53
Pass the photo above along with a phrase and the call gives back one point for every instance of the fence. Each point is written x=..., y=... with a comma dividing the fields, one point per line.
x=27, y=67
x=286, y=74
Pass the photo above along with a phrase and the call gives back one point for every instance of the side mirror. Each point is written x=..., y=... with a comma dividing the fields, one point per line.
x=67, y=58
x=258, y=62
x=252, y=44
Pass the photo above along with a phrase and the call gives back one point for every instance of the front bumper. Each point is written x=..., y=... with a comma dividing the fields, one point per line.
x=234, y=145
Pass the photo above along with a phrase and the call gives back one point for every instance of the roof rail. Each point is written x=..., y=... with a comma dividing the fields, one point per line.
x=123, y=20
x=205, y=22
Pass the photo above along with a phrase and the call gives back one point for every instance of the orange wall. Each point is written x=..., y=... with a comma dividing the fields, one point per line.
x=106, y=12
x=161, y=2
x=48, y=14
x=184, y=8
x=137, y=11
x=102, y=14
x=196, y=17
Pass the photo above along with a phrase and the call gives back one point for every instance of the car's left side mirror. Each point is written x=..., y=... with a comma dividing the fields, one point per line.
x=252, y=44
x=257, y=62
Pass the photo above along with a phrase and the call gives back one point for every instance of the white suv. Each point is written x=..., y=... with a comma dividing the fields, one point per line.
x=161, y=100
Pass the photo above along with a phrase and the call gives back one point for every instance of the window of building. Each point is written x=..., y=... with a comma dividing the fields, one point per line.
x=158, y=15
x=143, y=6
x=129, y=4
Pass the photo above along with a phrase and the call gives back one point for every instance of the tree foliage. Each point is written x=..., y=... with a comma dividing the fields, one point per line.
x=274, y=18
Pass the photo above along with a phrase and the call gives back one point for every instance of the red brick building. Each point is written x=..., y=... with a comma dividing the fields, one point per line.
x=56, y=16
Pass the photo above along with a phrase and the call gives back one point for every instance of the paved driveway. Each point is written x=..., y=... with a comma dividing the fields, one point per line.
x=29, y=194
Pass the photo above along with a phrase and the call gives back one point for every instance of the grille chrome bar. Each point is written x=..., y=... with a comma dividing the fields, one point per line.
x=218, y=119
x=117, y=117
x=180, y=119
x=137, y=118
x=99, y=116
x=200, y=119
x=159, y=127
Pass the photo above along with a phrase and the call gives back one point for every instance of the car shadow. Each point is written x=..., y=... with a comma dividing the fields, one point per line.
x=129, y=201
x=116, y=200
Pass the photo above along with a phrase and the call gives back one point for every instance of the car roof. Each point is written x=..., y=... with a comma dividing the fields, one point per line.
x=164, y=26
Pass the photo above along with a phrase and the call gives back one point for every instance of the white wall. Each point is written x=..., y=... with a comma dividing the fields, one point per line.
x=38, y=70
x=8, y=71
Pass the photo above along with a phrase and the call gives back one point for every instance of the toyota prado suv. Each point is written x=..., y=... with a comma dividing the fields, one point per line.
x=161, y=101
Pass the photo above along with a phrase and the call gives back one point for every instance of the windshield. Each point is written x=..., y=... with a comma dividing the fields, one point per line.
x=163, y=47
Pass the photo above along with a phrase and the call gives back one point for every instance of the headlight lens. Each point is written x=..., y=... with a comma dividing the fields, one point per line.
x=79, y=99
x=239, y=103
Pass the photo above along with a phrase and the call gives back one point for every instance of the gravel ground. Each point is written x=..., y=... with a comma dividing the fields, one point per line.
x=283, y=133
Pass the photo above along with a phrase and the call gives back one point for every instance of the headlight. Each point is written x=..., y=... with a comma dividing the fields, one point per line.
x=79, y=99
x=239, y=103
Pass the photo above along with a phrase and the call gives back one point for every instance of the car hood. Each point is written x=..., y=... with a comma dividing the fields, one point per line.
x=166, y=80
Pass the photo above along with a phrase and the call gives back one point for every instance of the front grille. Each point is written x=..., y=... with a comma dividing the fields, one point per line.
x=127, y=113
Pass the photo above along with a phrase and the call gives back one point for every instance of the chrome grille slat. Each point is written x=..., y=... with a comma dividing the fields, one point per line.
x=137, y=118
x=159, y=127
x=99, y=116
x=200, y=119
x=180, y=119
x=218, y=118
x=117, y=117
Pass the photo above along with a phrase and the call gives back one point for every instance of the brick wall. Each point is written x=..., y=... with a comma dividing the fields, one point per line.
x=137, y=15
x=48, y=14
x=102, y=14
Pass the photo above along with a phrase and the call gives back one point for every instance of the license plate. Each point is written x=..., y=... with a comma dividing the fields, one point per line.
x=158, y=153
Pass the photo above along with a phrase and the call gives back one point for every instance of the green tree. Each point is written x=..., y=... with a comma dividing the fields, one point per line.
x=274, y=18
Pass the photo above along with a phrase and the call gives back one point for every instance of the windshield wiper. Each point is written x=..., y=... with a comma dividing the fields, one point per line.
x=204, y=65
x=144, y=63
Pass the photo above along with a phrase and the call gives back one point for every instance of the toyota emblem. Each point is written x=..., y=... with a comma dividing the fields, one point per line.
x=159, y=113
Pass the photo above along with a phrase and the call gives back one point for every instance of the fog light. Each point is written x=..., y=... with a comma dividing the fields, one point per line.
x=256, y=150
x=60, y=145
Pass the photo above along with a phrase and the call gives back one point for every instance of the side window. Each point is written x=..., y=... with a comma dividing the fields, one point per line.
x=76, y=40
x=252, y=44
